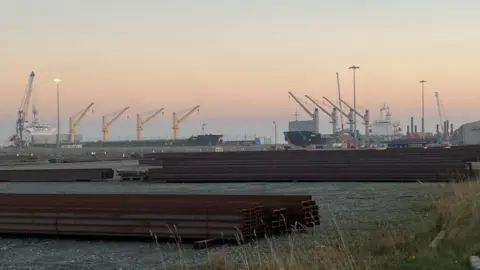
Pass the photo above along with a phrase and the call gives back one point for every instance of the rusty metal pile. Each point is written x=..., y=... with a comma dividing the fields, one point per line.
x=189, y=217
x=400, y=165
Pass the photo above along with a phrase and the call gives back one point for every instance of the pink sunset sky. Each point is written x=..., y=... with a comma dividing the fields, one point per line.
x=238, y=59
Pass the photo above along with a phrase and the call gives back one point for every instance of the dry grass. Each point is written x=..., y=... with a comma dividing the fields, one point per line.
x=403, y=245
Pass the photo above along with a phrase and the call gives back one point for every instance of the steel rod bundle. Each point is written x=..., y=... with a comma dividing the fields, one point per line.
x=188, y=217
x=404, y=165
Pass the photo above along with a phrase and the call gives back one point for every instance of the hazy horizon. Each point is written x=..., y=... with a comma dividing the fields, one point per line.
x=237, y=60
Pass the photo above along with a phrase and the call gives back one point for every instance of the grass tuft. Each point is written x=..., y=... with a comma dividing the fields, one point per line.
x=389, y=245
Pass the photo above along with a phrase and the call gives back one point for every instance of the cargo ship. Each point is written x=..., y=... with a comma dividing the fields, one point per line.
x=36, y=134
x=308, y=138
x=198, y=140
x=304, y=133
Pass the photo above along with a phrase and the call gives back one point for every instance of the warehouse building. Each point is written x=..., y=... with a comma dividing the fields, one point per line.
x=466, y=134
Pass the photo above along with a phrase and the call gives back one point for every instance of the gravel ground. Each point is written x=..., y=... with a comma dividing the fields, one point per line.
x=350, y=203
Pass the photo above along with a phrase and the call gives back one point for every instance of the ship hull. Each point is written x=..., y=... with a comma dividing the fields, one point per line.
x=307, y=138
x=201, y=140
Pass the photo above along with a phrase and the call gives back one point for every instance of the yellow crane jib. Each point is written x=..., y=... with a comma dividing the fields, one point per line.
x=106, y=123
x=74, y=120
x=176, y=121
x=141, y=122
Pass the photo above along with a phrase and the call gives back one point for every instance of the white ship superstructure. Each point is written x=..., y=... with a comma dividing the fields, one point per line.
x=36, y=133
x=384, y=127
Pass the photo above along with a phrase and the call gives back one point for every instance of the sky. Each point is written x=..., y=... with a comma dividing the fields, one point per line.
x=237, y=60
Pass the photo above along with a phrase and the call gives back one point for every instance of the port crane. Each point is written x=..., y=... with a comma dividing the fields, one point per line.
x=365, y=117
x=349, y=115
x=441, y=115
x=23, y=113
x=141, y=122
x=177, y=121
x=333, y=115
x=312, y=115
x=74, y=120
x=339, y=102
x=107, y=123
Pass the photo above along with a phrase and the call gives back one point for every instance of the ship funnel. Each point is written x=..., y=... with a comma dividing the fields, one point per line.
x=316, y=120
x=411, y=124
x=446, y=128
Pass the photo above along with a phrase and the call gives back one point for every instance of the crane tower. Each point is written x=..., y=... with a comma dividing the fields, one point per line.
x=23, y=113
x=141, y=121
x=74, y=120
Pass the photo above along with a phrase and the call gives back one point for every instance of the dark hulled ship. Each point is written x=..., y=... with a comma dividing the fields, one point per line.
x=307, y=138
x=199, y=140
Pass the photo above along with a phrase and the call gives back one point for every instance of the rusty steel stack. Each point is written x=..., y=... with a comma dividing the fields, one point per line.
x=400, y=165
x=183, y=217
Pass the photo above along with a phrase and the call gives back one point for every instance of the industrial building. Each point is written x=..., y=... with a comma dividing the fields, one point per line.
x=466, y=134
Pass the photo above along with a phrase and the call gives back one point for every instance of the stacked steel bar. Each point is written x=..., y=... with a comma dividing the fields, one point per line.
x=434, y=164
x=195, y=217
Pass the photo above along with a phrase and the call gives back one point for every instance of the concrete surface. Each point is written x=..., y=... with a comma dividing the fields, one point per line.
x=124, y=164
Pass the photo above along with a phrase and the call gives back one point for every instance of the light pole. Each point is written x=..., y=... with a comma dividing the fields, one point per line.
x=275, y=133
x=57, y=82
x=423, y=106
x=353, y=68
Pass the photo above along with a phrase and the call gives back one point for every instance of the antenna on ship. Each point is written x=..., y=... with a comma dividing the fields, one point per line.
x=296, y=114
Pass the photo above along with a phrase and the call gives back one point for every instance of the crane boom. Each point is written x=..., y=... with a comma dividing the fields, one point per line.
x=152, y=115
x=188, y=113
x=141, y=122
x=176, y=122
x=331, y=103
x=106, y=124
x=339, y=101
x=333, y=116
x=318, y=105
x=365, y=117
x=75, y=120
x=25, y=106
x=301, y=105
x=23, y=113
x=117, y=115
x=81, y=114
x=440, y=115
x=351, y=108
